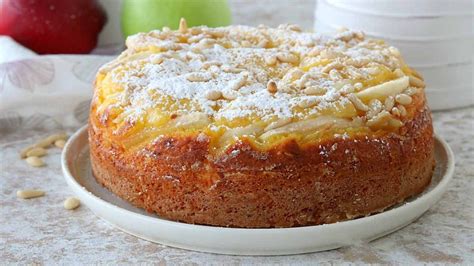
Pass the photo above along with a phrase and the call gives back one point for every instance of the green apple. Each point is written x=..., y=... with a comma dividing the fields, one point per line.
x=146, y=15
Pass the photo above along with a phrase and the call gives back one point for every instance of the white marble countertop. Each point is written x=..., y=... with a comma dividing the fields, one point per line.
x=41, y=231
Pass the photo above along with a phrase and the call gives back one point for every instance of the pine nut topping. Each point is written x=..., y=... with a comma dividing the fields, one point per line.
x=313, y=90
x=239, y=82
x=358, y=104
x=395, y=123
x=271, y=60
x=375, y=106
x=199, y=77
x=416, y=82
x=389, y=103
x=35, y=161
x=26, y=150
x=29, y=193
x=71, y=203
x=394, y=51
x=315, y=51
x=403, y=110
x=213, y=95
x=208, y=64
x=44, y=143
x=183, y=26
x=379, y=120
x=331, y=66
x=37, y=151
x=396, y=111
x=60, y=143
x=288, y=58
x=403, y=99
x=272, y=86
x=309, y=102
x=229, y=95
x=399, y=73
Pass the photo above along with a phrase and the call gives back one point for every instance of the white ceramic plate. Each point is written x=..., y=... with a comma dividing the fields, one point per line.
x=77, y=171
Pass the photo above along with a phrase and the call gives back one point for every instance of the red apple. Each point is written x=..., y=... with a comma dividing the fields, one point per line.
x=53, y=26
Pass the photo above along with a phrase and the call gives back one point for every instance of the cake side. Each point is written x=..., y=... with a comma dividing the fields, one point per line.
x=287, y=186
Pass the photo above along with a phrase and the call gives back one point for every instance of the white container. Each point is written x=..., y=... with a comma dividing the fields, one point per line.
x=435, y=37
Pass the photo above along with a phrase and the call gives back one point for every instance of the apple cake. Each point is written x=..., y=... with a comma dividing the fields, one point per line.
x=260, y=127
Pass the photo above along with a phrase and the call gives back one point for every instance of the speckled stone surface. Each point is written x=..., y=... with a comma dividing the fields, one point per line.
x=41, y=231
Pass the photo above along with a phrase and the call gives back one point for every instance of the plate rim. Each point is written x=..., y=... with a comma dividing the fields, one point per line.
x=431, y=196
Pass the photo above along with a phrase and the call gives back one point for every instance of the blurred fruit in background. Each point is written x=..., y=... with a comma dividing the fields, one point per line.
x=146, y=15
x=53, y=26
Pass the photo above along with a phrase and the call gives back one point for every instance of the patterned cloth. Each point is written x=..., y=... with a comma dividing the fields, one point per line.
x=45, y=92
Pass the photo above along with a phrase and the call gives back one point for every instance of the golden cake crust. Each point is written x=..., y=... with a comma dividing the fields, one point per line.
x=286, y=186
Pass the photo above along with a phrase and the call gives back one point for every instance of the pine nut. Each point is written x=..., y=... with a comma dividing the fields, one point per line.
x=309, y=102
x=389, y=103
x=358, y=104
x=331, y=66
x=379, y=120
x=26, y=150
x=29, y=193
x=411, y=91
x=183, y=26
x=293, y=74
x=272, y=86
x=394, y=51
x=71, y=203
x=399, y=73
x=314, y=52
x=239, y=82
x=50, y=140
x=229, y=69
x=229, y=95
x=416, y=82
x=395, y=123
x=198, y=77
x=213, y=95
x=216, y=33
x=313, y=90
x=37, y=151
x=271, y=60
x=60, y=143
x=403, y=99
x=35, y=161
x=403, y=110
x=288, y=58
x=396, y=111
x=375, y=106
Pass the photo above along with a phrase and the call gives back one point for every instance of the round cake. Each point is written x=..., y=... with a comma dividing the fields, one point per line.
x=260, y=127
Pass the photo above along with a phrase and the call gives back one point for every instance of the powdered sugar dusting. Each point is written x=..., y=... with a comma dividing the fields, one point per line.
x=224, y=72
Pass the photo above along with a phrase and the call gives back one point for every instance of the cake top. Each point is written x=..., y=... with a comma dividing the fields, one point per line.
x=271, y=80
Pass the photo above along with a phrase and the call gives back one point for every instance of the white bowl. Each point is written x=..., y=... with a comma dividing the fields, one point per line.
x=448, y=77
x=407, y=8
x=449, y=99
x=238, y=241
x=397, y=28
